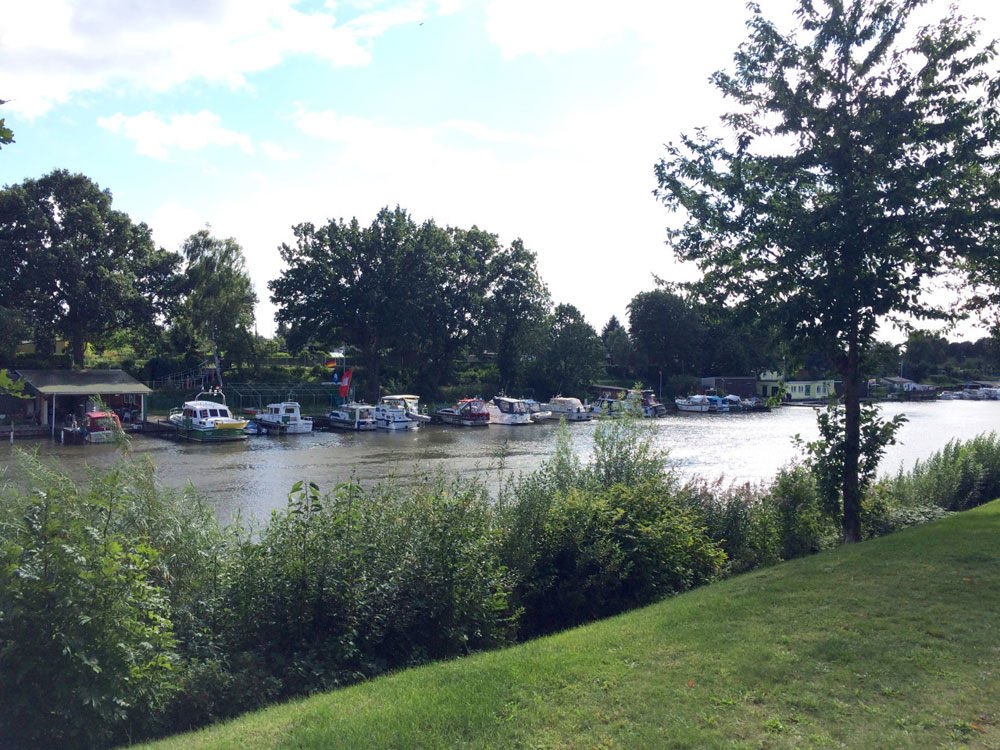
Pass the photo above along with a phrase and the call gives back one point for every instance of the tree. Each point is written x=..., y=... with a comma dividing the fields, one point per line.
x=573, y=354
x=448, y=288
x=516, y=308
x=220, y=298
x=6, y=135
x=618, y=345
x=74, y=265
x=353, y=284
x=667, y=331
x=857, y=164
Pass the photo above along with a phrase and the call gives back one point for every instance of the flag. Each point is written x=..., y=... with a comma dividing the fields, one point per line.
x=345, y=384
x=334, y=356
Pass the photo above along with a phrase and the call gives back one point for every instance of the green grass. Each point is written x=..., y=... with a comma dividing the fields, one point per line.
x=894, y=643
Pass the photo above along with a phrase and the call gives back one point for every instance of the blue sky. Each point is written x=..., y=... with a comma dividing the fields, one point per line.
x=538, y=119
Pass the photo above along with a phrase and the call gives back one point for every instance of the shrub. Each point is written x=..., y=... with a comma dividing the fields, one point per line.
x=86, y=643
x=356, y=582
x=803, y=525
x=747, y=529
x=598, y=551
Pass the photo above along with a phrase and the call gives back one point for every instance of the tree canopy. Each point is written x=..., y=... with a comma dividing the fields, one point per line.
x=859, y=158
x=219, y=297
x=76, y=267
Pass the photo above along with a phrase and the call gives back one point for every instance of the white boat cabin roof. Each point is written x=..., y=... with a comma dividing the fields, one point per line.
x=205, y=405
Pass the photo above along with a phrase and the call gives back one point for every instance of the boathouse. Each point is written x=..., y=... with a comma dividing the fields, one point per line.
x=60, y=395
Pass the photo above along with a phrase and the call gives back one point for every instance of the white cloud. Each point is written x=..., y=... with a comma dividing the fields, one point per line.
x=486, y=133
x=276, y=151
x=53, y=49
x=541, y=27
x=154, y=136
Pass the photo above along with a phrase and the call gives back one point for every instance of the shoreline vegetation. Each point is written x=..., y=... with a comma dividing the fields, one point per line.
x=127, y=612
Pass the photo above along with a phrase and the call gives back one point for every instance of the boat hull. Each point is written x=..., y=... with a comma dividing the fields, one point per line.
x=226, y=434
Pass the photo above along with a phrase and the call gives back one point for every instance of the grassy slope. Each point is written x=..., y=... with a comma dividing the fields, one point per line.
x=889, y=644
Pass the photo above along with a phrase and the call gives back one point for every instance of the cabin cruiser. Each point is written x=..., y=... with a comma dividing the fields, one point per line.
x=504, y=410
x=697, y=403
x=392, y=413
x=284, y=418
x=207, y=421
x=352, y=416
x=568, y=408
x=651, y=406
x=408, y=402
x=469, y=412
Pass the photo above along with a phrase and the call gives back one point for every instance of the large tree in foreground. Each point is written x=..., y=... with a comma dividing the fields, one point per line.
x=859, y=158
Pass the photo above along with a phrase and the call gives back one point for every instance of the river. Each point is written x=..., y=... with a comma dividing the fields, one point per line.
x=253, y=477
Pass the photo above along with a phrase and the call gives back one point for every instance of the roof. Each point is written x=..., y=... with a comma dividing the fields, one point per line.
x=82, y=382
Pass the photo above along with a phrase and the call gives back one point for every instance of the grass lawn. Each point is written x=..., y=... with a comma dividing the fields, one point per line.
x=893, y=643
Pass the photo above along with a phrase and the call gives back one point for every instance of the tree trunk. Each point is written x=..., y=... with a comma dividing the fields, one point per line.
x=852, y=442
x=218, y=366
x=79, y=347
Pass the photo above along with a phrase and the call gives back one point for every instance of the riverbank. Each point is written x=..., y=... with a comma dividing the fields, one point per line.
x=886, y=644
x=251, y=478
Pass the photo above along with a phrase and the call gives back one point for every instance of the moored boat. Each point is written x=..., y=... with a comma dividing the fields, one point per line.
x=408, y=402
x=696, y=403
x=101, y=427
x=568, y=408
x=392, y=413
x=469, y=412
x=284, y=418
x=505, y=410
x=352, y=416
x=536, y=410
x=207, y=421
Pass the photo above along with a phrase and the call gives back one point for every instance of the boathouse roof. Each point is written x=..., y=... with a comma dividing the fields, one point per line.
x=82, y=382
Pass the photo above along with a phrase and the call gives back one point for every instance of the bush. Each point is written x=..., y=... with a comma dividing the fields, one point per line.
x=803, y=525
x=596, y=551
x=746, y=528
x=86, y=641
x=357, y=582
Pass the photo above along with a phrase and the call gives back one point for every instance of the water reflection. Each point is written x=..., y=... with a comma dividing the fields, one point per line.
x=254, y=477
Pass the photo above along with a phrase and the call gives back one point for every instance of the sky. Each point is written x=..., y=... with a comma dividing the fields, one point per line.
x=532, y=119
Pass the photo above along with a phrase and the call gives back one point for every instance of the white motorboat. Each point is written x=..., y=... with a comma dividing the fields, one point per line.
x=352, y=416
x=207, y=421
x=410, y=403
x=504, y=410
x=568, y=408
x=536, y=410
x=392, y=413
x=469, y=412
x=285, y=418
x=696, y=403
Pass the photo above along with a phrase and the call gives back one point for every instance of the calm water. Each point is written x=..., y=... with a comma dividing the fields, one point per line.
x=254, y=476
